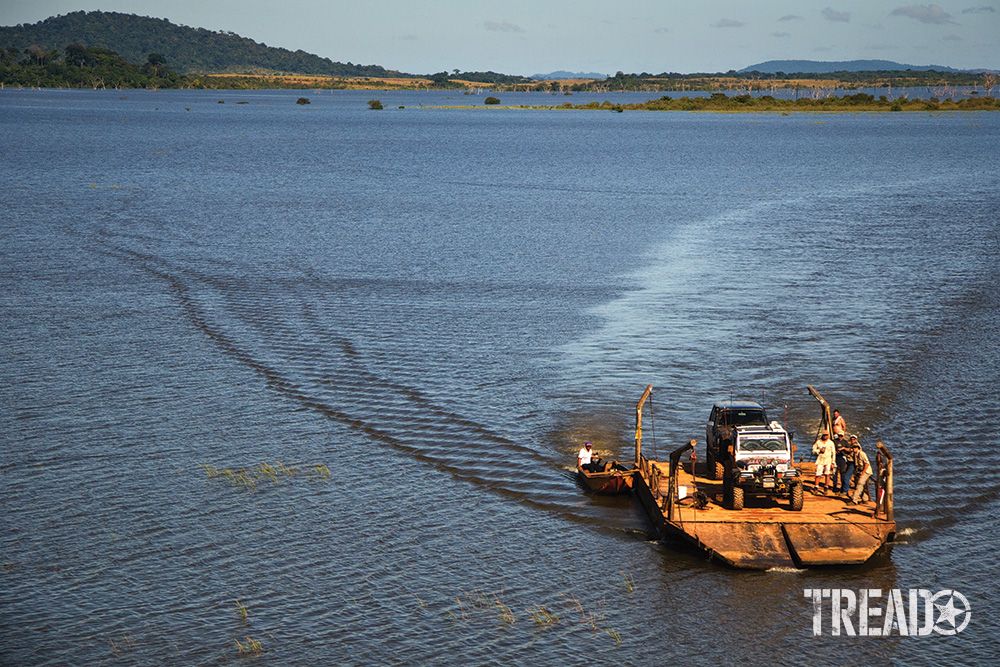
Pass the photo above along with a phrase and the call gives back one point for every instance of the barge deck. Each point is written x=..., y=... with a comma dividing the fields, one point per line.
x=682, y=502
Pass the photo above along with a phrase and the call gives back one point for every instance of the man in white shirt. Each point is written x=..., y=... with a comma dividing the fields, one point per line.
x=823, y=449
x=586, y=459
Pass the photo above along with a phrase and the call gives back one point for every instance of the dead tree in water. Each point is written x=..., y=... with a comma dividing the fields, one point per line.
x=989, y=82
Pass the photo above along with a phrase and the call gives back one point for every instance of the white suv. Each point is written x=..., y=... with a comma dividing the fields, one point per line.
x=761, y=464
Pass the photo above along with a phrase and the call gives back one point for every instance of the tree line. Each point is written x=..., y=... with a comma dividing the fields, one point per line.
x=80, y=67
x=858, y=102
x=753, y=80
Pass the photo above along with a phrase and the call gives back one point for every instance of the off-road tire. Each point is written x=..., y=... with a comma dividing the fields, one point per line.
x=737, y=498
x=797, y=497
x=720, y=466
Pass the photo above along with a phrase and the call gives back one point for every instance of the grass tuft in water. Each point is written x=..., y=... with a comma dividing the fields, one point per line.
x=504, y=613
x=542, y=616
x=248, y=478
x=250, y=647
x=478, y=604
x=126, y=643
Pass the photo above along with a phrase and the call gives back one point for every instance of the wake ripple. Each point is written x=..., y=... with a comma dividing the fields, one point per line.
x=308, y=341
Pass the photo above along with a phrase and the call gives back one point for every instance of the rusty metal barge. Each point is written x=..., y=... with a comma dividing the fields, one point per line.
x=684, y=502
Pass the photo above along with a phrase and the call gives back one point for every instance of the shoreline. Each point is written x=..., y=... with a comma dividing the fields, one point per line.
x=708, y=102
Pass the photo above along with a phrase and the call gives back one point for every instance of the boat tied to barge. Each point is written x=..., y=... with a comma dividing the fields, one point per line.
x=613, y=478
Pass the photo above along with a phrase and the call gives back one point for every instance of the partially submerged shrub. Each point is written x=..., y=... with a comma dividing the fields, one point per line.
x=491, y=100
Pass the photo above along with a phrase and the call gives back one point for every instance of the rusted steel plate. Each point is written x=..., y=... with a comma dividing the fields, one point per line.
x=747, y=545
x=831, y=544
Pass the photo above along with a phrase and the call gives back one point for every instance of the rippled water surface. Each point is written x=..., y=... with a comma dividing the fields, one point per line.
x=439, y=306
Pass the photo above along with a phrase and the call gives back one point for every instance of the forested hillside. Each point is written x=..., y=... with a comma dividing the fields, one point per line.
x=186, y=50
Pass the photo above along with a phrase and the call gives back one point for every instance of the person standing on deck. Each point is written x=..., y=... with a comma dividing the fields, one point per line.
x=823, y=449
x=839, y=464
x=863, y=472
x=839, y=426
x=586, y=460
x=846, y=452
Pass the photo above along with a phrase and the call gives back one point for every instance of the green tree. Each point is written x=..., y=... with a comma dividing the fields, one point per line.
x=154, y=63
x=76, y=55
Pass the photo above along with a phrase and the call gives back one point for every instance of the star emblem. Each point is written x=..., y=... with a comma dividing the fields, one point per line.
x=951, y=617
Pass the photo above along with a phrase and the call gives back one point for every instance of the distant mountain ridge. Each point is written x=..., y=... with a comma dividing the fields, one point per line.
x=824, y=67
x=186, y=50
x=562, y=74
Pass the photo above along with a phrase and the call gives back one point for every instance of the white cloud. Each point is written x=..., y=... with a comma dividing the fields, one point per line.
x=779, y=34
x=503, y=26
x=791, y=17
x=832, y=14
x=924, y=13
x=977, y=10
x=728, y=23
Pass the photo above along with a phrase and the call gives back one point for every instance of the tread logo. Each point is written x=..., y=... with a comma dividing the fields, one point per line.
x=869, y=613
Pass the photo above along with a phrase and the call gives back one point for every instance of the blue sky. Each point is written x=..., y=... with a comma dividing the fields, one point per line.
x=539, y=36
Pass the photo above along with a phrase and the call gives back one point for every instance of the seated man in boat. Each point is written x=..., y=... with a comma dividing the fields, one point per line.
x=586, y=459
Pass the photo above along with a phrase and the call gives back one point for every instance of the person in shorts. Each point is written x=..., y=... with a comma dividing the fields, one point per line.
x=823, y=449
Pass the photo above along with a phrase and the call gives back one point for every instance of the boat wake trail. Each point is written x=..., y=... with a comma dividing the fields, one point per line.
x=357, y=352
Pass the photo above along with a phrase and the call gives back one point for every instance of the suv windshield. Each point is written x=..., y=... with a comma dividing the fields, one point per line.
x=744, y=418
x=762, y=445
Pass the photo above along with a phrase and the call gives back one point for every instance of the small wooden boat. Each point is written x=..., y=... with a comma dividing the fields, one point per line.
x=614, y=478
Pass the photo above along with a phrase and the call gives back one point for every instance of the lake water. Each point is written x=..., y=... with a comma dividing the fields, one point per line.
x=440, y=306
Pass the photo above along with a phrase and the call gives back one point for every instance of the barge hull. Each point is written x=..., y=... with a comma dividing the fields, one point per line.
x=773, y=537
